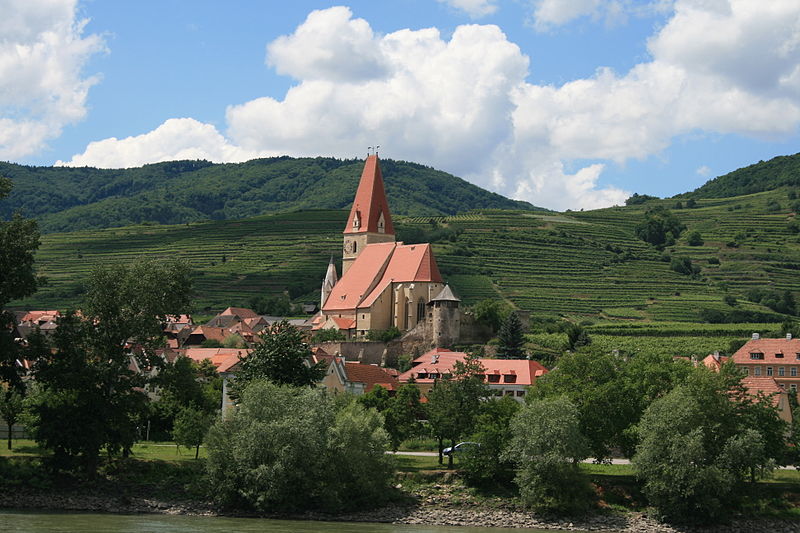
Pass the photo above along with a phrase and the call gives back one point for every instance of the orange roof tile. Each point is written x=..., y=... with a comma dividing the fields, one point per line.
x=370, y=201
x=241, y=312
x=360, y=278
x=344, y=323
x=370, y=375
x=772, y=350
x=222, y=358
x=765, y=384
x=441, y=361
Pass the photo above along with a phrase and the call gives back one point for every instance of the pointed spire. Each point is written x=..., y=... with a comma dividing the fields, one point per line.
x=370, y=211
x=331, y=278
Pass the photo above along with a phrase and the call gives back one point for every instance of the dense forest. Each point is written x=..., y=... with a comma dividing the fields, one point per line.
x=762, y=176
x=176, y=192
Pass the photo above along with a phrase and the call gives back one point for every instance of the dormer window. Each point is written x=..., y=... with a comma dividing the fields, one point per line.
x=779, y=355
x=509, y=378
x=756, y=355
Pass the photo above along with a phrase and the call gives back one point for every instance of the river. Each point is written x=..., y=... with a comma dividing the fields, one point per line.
x=38, y=522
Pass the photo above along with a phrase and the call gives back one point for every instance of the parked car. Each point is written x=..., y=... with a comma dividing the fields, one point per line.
x=461, y=447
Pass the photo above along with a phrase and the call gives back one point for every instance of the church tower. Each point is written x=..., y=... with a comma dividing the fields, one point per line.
x=369, y=221
x=327, y=284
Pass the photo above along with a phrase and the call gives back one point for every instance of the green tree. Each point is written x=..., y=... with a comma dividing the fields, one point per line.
x=547, y=446
x=19, y=240
x=695, y=239
x=89, y=397
x=11, y=408
x=512, y=338
x=485, y=465
x=283, y=357
x=491, y=313
x=454, y=402
x=190, y=428
x=698, y=449
x=328, y=335
x=577, y=336
x=294, y=448
x=660, y=227
x=402, y=415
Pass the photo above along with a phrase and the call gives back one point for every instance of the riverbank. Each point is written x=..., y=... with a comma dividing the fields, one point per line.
x=445, y=503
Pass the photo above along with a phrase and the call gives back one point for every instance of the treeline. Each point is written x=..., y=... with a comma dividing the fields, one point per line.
x=763, y=176
x=68, y=198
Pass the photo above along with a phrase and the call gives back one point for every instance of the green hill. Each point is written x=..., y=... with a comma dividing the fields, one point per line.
x=763, y=176
x=177, y=192
x=582, y=264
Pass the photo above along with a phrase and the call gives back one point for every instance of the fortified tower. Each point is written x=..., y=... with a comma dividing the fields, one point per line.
x=369, y=221
x=446, y=318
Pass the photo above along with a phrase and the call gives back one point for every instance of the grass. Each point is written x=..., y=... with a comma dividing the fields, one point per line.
x=149, y=451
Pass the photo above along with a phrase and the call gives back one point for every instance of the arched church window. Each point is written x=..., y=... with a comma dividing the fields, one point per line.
x=420, y=310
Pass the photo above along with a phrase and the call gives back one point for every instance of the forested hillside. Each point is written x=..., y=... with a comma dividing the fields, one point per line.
x=177, y=192
x=779, y=171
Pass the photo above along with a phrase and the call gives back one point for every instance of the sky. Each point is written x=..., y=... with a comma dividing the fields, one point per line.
x=566, y=104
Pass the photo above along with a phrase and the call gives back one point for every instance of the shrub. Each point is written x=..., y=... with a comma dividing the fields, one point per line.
x=293, y=449
x=683, y=265
x=547, y=446
x=695, y=239
x=384, y=335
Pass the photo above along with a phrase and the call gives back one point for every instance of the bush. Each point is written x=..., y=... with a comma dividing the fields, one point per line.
x=683, y=265
x=547, y=446
x=484, y=465
x=293, y=449
x=383, y=335
x=695, y=239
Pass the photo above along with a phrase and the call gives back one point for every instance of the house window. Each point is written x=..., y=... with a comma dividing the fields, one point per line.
x=509, y=378
x=420, y=310
x=793, y=387
x=781, y=372
x=779, y=355
x=793, y=371
x=520, y=393
x=757, y=371
x=422, y=375
x=769, y=370
x=494, y=378
x=509, y=393
x=746, y=371
x=757, y=355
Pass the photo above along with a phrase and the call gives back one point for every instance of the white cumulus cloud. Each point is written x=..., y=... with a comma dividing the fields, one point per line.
x=547, y=14
x=463, y=103
x=43, y=50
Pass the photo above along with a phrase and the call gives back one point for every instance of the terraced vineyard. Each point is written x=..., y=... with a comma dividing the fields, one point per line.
x=575, y=263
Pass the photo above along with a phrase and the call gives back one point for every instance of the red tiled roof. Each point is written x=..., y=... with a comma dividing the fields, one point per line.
x=241, y=312
x=344, y=323
x=789, y=348
x=409, y=262
x=39, y=316
x=358, y=281
x=222, y=358
x=765, y=384
x=526, y=371
x=370, y=375
x=370, y=201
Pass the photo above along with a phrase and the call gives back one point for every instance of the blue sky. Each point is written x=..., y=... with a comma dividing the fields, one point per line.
x=565, y=104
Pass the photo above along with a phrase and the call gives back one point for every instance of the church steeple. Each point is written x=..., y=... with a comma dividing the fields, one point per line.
x=327, y=284
x=370, y=220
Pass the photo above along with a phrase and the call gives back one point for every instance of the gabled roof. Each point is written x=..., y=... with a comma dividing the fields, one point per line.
x=241, y=312
x=370, y=375
x=771, y=348
x=360, y=278
x=370, y=201
x=222, y=358
x=440, y=361
x=765, y=384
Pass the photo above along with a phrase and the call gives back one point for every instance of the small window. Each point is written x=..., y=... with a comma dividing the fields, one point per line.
x=781, y=371
x=520, y=393
x=757, y=355
x=509, y=378
x=769, y=370
x=793, y=387
x=494, y=378
x=779, y=355
x=793, y=371
x=509, y=393
x=422, y=375
x=757, y=371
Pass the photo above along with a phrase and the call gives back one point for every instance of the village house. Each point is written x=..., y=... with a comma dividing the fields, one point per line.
x=773, y=358
x=504, y=377
x=358, y=378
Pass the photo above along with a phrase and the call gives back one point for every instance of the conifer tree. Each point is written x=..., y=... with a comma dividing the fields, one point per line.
x=512, y=339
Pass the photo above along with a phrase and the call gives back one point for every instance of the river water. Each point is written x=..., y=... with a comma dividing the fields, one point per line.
x=29, y=522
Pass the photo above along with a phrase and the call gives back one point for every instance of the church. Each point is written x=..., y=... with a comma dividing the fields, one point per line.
x=384, y=283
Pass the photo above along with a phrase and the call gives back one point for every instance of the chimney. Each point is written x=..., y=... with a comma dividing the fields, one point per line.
x=434, y=359
x=756, y=336
x=694, y=360
x=788, y=336
x=716, y=356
